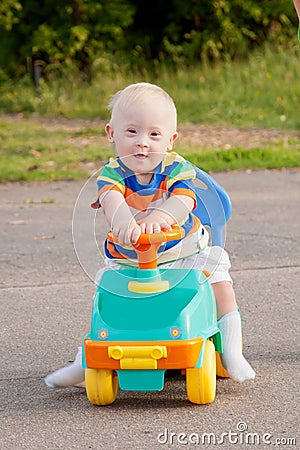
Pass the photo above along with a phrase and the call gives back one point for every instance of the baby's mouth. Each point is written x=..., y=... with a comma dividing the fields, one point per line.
x=141, y=156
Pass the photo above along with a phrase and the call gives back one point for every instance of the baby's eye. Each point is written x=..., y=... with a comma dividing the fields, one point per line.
x=131, y=130
x=154, y=133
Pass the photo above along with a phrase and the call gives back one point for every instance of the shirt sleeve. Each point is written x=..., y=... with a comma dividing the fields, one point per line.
x=108, y=180
x=181, y=180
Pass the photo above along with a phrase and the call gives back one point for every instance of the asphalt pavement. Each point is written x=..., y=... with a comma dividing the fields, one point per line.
x=49, y=256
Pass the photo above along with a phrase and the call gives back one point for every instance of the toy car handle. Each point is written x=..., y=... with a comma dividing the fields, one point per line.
x=147, y=245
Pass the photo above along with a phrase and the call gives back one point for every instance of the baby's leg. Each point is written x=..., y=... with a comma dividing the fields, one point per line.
x=72, y=375
x=225, y=298
x=230, y=326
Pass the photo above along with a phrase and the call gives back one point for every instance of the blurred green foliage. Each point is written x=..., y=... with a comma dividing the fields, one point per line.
x=99, y=36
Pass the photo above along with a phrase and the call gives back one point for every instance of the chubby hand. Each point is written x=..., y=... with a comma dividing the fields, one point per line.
x=154, y=223
x=127, y=234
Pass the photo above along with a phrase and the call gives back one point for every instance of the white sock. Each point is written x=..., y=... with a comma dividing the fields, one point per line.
x=72, y=375
x=232, y=357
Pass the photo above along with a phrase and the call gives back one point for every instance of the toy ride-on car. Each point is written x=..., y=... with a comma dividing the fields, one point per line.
x=147, y=320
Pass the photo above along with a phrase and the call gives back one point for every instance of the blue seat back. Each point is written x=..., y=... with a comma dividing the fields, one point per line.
x=213, y=206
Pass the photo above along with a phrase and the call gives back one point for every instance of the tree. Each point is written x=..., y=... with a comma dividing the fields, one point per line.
x=64, y=32
x=80, y=32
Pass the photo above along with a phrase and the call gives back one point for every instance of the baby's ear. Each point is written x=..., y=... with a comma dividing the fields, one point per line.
x=109, y=133
x=172, y=140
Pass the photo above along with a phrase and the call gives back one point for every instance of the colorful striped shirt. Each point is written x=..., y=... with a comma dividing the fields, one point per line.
x=173, y=176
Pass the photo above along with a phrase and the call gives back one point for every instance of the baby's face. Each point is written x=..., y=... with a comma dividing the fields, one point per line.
x=143, y=134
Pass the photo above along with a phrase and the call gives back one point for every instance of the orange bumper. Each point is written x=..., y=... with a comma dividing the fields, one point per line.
x=179, y=354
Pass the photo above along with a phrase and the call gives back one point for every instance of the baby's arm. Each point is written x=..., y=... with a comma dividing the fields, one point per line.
x=297, y=7
x=172, y=211
x=118, y=215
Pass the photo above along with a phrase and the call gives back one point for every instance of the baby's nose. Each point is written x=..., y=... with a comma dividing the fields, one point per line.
x=143, y=142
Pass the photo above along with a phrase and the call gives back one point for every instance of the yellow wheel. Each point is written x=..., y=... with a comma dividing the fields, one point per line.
x=201, y=383
x=101, y=386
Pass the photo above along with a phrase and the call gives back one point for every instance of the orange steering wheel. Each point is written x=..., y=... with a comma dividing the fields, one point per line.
x=147, y=245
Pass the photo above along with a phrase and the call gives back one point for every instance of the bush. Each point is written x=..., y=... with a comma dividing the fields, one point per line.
x=109, y=33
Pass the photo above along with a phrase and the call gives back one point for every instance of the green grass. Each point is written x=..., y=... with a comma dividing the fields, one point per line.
x=263, y=92
x=31, y=151
x=274, y=156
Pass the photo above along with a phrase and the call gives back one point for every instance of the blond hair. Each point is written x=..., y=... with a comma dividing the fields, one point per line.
x=140, y=93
